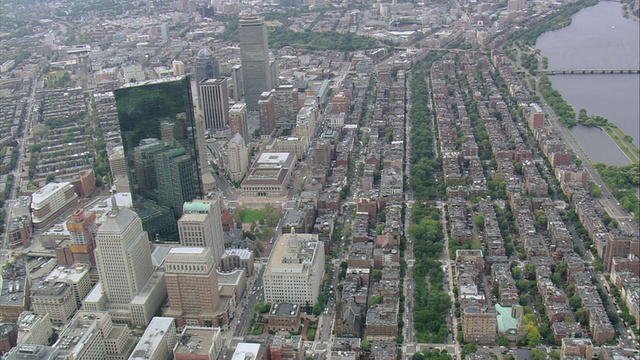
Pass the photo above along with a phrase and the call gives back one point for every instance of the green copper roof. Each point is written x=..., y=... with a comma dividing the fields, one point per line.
x=505, y=321
x=196, y=206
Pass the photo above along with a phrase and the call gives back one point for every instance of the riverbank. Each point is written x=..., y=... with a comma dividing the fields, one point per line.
x=621, y=139
x=554, y=21
x=630, y=12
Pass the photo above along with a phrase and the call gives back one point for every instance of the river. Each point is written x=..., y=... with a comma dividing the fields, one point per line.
x=598, y=37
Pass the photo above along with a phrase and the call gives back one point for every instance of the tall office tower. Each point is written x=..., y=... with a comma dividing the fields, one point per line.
x=254, y=55
x=236, y=82
x=176, y=181
x=201, y=226
x=192, y=286
x=267, y=110
x=238, y=121
x=82, y=230
x=206, y=65
x=286, y=99
x=215, y=103
x=159, y=139
x=237, y=158
x=123, y=256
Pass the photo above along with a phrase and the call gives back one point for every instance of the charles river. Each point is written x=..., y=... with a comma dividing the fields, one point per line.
x=598, y=37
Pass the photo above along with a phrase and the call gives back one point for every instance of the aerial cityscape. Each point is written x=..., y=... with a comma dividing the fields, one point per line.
x=310, y=180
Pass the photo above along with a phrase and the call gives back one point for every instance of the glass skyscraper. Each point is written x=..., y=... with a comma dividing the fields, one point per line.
x=159, y=138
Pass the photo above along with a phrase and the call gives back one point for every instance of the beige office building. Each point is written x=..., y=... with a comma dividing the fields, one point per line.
x=192, y=288
x=201, y=226
x=34, y=329
x=92, y=335
x=295, y=269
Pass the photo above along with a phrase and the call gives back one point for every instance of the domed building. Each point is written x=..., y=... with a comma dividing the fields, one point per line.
x=206, y=65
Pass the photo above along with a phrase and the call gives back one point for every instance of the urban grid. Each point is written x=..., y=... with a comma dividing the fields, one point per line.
x=306, y=180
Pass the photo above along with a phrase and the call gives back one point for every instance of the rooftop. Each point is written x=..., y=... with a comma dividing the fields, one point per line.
x=152, y=337
x=292, y=253
x=196, y=340
x=246, y=351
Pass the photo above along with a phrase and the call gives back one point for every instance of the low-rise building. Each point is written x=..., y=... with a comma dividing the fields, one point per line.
x=34, y=329
x=284, y=316
x=14, y=290
x=269, y=176
x=158, y=340
x=286, y=348
x=233, y=259
x=198, y=343
x=479, y=325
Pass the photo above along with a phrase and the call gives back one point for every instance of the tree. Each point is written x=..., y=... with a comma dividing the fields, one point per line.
x=479, y=222
x=532, y=335
x=468, y=348
x=417, y=356
x=538, y=354
x=376, y=274
x=366, y=346
x=317, y=308
x=502, y=340
x=581, y=316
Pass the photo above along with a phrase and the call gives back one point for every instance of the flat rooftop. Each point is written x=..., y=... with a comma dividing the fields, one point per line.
x=151, y=338
x=292, y=252
x=196, y=340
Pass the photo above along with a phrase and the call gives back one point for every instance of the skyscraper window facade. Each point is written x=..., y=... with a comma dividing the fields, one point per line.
x=159, y=139
x=254, y=56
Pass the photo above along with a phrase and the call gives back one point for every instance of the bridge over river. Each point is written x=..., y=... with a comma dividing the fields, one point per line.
x=589, y=71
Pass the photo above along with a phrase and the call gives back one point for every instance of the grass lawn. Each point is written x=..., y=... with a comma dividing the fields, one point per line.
x=311, y=334
x=258, y=330
x=250, y=216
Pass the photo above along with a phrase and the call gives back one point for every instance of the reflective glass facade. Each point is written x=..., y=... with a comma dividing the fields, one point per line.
x=159, y=138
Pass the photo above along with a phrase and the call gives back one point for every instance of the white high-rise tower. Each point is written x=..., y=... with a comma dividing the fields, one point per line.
x=123, y=257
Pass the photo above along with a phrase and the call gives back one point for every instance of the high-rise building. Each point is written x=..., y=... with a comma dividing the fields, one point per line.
x=238, y=121
x=159, y=139
x=215, y=102
x=192, y=287
x=206, y=65
x=237, y=83
x=201, y=226
x=236, y=158
x=254, y=55
x=129, y=288
x=267, y=111
x=123, y=256
x=82, y=230
x=294, y=270
x=286, y=99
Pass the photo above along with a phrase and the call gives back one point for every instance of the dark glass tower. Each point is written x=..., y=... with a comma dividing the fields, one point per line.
x=159, y=138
